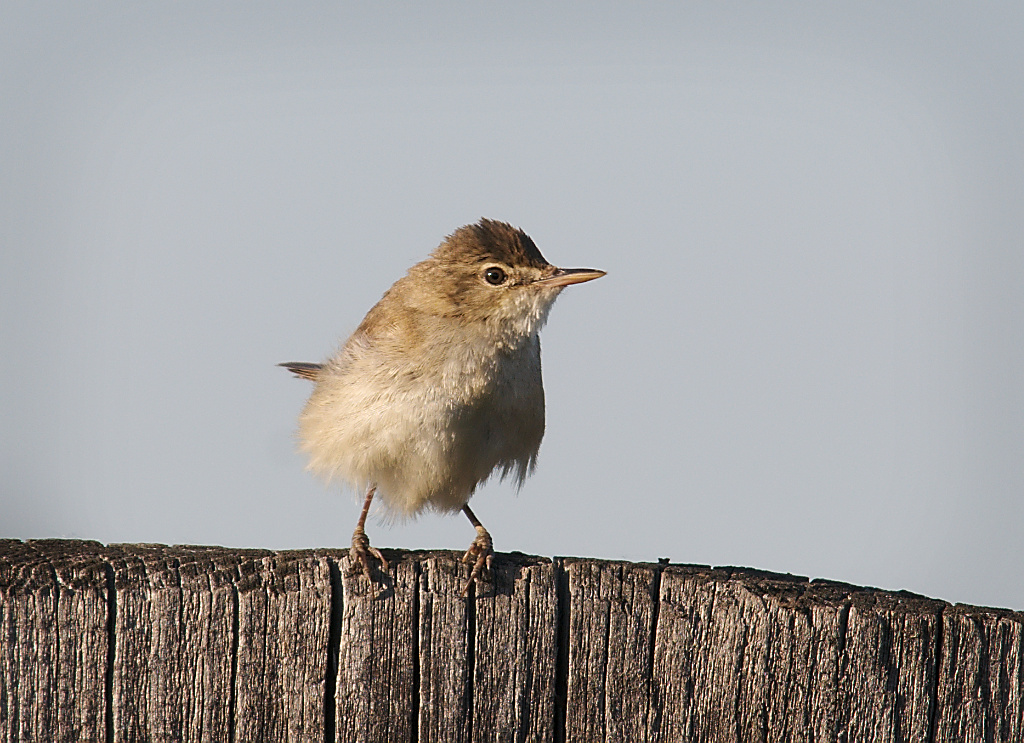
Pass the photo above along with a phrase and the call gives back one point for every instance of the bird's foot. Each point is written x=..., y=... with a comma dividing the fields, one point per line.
x=481, y=554
x=360, y=553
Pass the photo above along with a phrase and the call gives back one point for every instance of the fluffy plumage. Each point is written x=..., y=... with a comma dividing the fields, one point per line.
x=440, y=385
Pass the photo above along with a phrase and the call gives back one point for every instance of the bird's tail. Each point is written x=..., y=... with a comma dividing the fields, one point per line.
x=303, y=370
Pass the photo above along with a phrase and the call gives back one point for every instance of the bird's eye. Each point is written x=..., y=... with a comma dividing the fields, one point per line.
x=495, y=276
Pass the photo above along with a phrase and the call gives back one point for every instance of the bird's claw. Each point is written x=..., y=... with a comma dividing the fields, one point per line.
x=360, y=553
x=481, y=554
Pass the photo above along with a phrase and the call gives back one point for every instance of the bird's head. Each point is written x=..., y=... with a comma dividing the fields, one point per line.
x=491, y=274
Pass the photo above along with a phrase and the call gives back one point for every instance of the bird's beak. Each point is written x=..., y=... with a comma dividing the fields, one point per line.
x=566, y=276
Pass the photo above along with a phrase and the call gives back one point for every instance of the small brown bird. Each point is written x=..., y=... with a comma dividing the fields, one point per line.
x=440, y=385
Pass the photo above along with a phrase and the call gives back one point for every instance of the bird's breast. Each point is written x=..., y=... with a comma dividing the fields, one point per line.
x=501, y=376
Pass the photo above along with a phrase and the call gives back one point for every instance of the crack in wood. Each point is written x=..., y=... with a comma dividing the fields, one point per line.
x=655, y=609
x=933, y=713
x=414, y=721
x=561, y=650
x=333, y=645
x=108, y=673
x=470, y=656
x=56, y=615
x=233, y=683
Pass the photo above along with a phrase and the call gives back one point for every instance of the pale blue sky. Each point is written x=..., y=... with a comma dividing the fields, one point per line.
x=806, y=356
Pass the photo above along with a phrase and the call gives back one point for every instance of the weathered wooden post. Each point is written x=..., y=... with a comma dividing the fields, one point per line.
x=155, y=643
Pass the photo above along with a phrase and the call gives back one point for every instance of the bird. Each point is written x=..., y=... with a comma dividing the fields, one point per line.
x=440, y=385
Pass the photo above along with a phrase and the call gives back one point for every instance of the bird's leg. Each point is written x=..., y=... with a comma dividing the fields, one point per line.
x=361, y=549
x=482, y=550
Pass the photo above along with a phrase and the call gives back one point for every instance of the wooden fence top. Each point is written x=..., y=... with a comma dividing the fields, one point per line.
x=186, y=643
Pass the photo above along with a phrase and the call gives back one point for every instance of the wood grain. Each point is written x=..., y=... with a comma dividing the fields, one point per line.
x=284, y=613
x=445, y=652
x=516, y=643
x=610, y=625
x=174, y=642
x=157, y=643
x=982, y=672
x=377, y=673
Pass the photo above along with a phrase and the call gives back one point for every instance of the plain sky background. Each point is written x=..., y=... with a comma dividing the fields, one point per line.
x=806, y=357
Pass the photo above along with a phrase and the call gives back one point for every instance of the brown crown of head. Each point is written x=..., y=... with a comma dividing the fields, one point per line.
x=490, y=240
